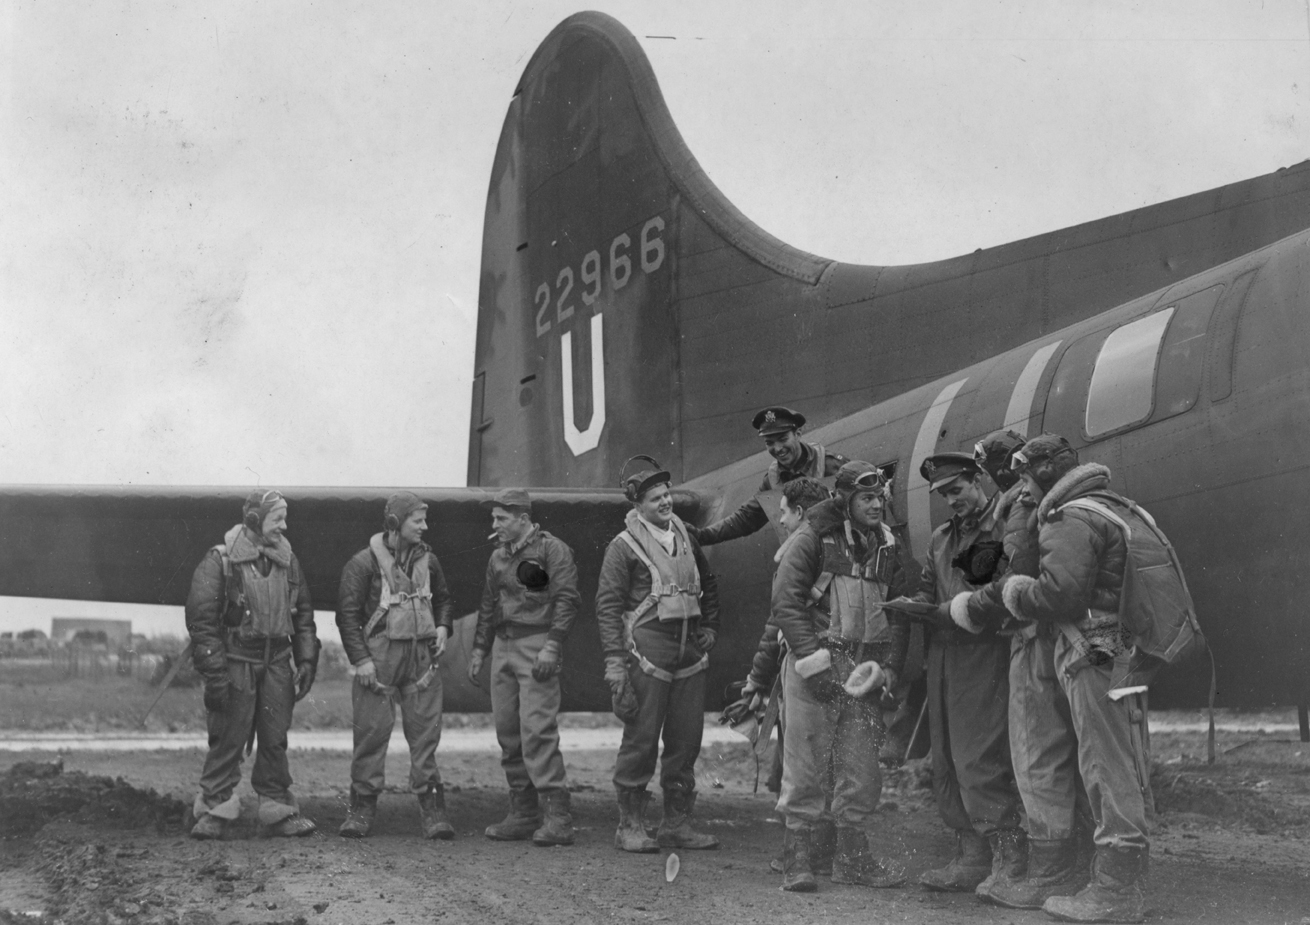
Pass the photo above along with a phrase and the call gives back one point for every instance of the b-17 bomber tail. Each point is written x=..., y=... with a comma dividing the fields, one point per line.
x=627, y=307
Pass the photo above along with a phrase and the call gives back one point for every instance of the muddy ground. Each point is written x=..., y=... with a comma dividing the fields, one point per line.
x=89, y=842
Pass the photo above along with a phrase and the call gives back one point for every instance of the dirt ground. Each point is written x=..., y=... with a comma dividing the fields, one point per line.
x=1231, y=846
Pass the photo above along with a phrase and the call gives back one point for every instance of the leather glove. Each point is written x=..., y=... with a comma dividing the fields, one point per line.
x=616, y=673
x=705, y=638
x=305, y=672
x=216, y=696
x=824, y=686
x=549, y=661
x=366, y=673
x=475, y=666
x=438, y=645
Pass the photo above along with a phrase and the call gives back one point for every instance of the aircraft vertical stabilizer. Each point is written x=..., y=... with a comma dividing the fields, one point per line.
x=627, y=307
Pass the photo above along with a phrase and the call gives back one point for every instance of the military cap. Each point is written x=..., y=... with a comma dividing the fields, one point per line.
x=1043, y=446
x=777, y=420
x=993, y=452
x=943, y=468
x=511, y=499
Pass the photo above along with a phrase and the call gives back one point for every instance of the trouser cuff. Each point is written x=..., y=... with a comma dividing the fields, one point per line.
x=229, y=809
x=272, y=812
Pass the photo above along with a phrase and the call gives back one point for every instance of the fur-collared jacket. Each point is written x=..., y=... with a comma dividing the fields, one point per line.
x=1082, y=559
x=801, y=619
x=211, y=615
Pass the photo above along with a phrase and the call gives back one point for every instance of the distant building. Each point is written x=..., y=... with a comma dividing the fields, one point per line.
x=118, y=633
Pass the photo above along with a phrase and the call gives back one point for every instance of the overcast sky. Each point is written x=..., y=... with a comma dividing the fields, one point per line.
x=239, y=241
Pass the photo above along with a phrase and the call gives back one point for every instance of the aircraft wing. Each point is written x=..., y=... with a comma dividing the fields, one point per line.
x=141, y=545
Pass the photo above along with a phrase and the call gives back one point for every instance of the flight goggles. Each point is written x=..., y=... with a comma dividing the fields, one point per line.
x=868, y=481
x=1021, y=460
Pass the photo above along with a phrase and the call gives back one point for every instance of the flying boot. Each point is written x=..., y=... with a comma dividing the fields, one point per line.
x=823, y=843
x=853, y=863
x=631, y=834
x=1114, y=894
x=797, y=877
x=1053, y=870
x=557, y=825
x=359, y=818
x=208, y=828
x=971, y=865
x=523, y=819
x=293, y=826
x=432, y=813
x=675, y=830
x=1009, y=859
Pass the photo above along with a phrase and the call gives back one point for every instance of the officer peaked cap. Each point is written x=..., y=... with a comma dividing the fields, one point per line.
x=943, y=468
x=777, y=420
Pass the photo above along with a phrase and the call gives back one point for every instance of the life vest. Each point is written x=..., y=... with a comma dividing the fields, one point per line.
x=855, y=591
x=674, y=592
x=264, y=601
x=674, y=579
x=406, y=600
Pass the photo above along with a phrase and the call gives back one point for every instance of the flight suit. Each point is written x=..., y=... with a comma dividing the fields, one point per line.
x=1083, y=557
x=848, y=621
x=514, y=623
x=1042, y=741
x=388, y=610
x=251, y=620
x=968, y=697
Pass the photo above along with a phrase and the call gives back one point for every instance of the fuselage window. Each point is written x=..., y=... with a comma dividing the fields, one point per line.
x=1123, y=381
x=1182, y=358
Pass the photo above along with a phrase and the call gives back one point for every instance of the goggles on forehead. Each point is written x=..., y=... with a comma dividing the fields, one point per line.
x=1019, y=461
x=870, y=480
x=979, y=454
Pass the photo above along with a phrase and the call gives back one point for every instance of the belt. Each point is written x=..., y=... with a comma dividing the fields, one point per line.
x=520, y=630
x=259, y=652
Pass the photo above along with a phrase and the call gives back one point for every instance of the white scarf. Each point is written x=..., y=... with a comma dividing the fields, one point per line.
x=666, y=535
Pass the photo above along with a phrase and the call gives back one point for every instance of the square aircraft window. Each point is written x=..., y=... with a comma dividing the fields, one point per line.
x=1123, y=382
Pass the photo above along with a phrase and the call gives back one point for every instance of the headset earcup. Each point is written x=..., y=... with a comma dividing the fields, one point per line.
x=392, y=522
x=252, y=520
